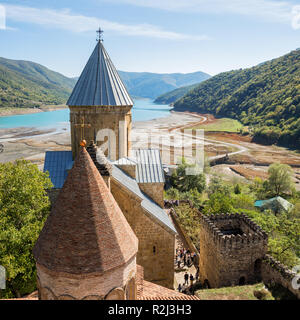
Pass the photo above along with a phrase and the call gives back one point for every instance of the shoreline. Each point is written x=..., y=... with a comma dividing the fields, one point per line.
x=7, y=112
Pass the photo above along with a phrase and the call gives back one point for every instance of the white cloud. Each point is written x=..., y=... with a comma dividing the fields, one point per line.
x=64, y=19
x=296, y=17
x=2, y=18
x=272, y=10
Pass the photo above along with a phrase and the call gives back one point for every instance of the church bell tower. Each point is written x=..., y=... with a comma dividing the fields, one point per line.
x=100, y=106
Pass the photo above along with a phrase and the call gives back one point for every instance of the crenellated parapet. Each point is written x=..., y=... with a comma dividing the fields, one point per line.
x=250, y=233
x=274, y=272
x=278, y=266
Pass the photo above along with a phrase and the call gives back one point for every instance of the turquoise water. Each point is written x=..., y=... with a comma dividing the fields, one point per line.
x=143, y=110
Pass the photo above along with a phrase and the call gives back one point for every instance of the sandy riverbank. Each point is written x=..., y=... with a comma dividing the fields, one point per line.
x=5, y=112
x=31, y=144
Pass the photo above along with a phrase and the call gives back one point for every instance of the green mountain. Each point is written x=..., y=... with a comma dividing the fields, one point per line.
x=265, y=97
x=28, y=84
x=152, y=85
x=172, y=96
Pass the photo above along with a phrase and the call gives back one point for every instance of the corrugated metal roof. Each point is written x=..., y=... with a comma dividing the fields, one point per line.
x=149, y=166
x=273, y=202
x=154, y=210
x=100, y=83
x=58, y=163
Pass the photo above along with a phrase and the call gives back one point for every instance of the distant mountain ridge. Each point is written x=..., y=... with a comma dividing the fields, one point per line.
x=29, y=84
x=265, y=97
x=152, y=85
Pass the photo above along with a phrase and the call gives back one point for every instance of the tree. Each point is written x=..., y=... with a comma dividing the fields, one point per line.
x=172, y=194
x=185, y=182
x=217, y=185
x=24, y=206
x=280, y=179
x=219, y=203
x=237, y=189
x=257, y=187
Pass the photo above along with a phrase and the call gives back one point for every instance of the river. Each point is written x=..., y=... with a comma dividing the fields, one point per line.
x=143, y=110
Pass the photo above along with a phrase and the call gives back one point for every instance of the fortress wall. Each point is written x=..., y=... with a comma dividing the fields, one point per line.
x=225, y=259
x=273, y=271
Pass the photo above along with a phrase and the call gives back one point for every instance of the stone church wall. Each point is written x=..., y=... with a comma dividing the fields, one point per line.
x=155, y=191
x=102, y=117
x=54, y=285
x=156, y=244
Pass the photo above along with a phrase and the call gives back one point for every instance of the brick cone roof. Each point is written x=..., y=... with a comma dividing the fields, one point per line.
x=86, y=231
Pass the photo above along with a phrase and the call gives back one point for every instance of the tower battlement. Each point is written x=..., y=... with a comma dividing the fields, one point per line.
x=232, y=230
x=231, y=249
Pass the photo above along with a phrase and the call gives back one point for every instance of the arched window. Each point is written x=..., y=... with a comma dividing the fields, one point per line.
x=206, y=284
x=154, y=249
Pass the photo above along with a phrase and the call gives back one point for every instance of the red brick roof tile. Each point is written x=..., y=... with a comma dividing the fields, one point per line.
x=150, y=291
x=86, y=231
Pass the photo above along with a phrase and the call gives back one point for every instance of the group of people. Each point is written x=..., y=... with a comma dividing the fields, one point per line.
x=185, y=257
x=188, y=281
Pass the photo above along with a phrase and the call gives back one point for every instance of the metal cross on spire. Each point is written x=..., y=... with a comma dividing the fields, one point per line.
x=100, y=32
x=82, y=125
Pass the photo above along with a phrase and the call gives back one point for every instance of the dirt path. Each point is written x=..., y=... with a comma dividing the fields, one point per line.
x=241, y=149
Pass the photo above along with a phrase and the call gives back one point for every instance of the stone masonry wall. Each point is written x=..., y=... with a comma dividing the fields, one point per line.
x=273, y=271
x=226, y=259
x=101, y=117
x=156, y=244
x=155, y=191
x=54, y=285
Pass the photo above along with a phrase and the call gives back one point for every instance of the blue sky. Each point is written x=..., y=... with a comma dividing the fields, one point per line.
x=164, y=36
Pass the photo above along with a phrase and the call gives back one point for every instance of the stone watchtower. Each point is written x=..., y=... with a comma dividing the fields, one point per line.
x=231, y=250
x=100, y=101
x=86, y=250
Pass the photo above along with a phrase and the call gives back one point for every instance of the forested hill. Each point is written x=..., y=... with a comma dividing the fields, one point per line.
x=28, y=84
x=265, y=97
x=172, y=96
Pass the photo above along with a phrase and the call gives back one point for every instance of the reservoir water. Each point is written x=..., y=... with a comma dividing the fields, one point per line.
x=143, y=110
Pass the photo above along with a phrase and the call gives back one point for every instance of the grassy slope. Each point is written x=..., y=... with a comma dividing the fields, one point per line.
x=232, y=293
x=266, y=96
x=224, y=124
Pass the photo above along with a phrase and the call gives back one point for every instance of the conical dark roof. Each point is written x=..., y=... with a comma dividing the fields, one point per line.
x=100, y=83
x=86, y=231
